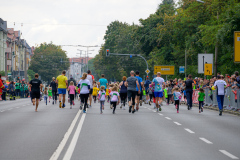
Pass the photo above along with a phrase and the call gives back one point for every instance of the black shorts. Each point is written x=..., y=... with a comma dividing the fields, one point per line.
x=131, y=95
x=91, y=90
x=35, y=94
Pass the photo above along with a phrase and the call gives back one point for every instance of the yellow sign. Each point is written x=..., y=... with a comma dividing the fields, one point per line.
x=207, y=69
x=165, y=70
x=237, y=46
x=147, y=71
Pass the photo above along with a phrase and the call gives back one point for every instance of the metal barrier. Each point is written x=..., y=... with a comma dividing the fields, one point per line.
x=211, y=98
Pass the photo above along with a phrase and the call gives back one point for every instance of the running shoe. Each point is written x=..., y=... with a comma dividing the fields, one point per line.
x=202, y=109
x=87, y=105
x=121, y=106
x=73, y=102
x=177, y=111
x=71, y=107
x=133, y=111
x=160, y=108
x=140, y=102
x=101, y=112
x=199, y=111
x=90, y=106
x=53, y=102
x=102, y=107
x=137, y=108
x=111, y=106
x=130, y=109
x=113, y=112
x=176, y=106
x=84, y=111
x=124, y=108
x=60, y=104
x=63, y=105
x=220, y=113
x=188, y=107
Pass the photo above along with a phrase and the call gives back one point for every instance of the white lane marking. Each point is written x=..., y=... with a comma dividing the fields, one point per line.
x=149, y=109
x=205, y=140
x=73, y=143
x=154, y=111
x=190, y=131
x=160, y=114
x=10, y=109
x=177, y=123
x=2, y=111
x=65, y=138
x=168, y=118
x=228, y=154
x=16, y=107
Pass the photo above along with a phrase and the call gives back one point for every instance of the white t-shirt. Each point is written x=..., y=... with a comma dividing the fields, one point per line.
x=158, y=84
x=220, y=86
x=102, y=95
x=90, y=78
x=84, y=86
x=114, y=96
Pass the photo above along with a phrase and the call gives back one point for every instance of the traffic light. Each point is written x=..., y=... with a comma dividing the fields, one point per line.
x=107, y=52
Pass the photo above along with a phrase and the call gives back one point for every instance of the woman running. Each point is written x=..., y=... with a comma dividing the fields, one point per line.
x=84, y=84
x=123, y=92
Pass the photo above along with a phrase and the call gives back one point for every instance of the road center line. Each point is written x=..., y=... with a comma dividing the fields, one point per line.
x=149, y=109
x=65, y=138
x=190, y=131
x=154, y=111
x=228, y=154
x=73, y=143
x=177, y=123
x=2, y=111
x=160, y=114
x=168, y=118
x=205, y=140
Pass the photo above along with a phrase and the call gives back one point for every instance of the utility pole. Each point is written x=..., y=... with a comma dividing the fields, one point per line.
x=185, y=63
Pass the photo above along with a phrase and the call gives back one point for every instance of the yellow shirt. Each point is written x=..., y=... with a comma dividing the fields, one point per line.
x=107, y=92
x=95, y=91
x=62, y=81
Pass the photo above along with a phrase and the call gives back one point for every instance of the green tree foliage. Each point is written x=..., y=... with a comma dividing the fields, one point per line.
x=164, y=37
x=47, y=61
x=31, y=74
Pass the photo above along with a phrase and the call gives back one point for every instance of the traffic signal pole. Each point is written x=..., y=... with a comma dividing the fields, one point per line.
x=119, y=54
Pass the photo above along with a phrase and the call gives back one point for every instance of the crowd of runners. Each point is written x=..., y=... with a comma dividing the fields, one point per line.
x=129, y=91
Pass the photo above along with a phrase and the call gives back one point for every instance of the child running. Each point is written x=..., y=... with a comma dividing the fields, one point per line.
x=72, y=91
x=201, y=96
x=101, y=97
x=95, y=93
x=45, y=94
x=177, y=97
x=115, y=98
x=84, y=83
x=49, y=93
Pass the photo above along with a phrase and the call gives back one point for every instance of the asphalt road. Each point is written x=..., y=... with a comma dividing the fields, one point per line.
x=53, y=133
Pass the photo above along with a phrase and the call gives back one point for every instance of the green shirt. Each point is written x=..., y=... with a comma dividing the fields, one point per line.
x=165, y=92
x=17, y=85
x=21, y=87
x=201, y=96
x=25, y=87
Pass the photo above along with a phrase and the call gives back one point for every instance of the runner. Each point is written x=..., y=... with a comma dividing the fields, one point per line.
x=62, y=86
x=103, y=82
x=53, y=84
x=146, y=85
x=138, y=95
x=101, y=97
x=189, y=91
x=158, y=92
x=36, y=87
x=220, y=86
x=91, y=81
x=115, y=99
x=85, y=89
x=131, y=91
x=71, y=90
x=123, y=92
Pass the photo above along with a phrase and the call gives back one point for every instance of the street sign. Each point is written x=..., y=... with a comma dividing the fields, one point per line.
x=147, y=71
x=208, y=69
x=237, y=46
x=202, y=59
x=165, y=70
x=181, y=69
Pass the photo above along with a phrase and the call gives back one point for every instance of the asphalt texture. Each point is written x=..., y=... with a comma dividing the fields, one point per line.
x=146, y=134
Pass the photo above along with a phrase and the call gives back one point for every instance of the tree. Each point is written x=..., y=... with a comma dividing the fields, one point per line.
x=47, y=61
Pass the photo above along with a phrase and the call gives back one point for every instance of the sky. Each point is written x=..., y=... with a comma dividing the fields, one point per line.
x=72, y=22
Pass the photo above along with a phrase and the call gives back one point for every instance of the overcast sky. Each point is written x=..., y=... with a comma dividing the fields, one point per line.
x=86, y=20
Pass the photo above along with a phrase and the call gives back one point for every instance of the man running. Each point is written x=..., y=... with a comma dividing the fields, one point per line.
x=189, y=91
x=91, y=80
x=158, y=92
x=103, y=82
x=139, y=95
x=53, y=84
x=220, y=86
x=62, y=86
x=146, y=85
x=131, y=91
x=36, y=86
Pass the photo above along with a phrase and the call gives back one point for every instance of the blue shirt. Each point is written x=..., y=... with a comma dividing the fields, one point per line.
x=147, y=82
x=139, y=81
x=158, y=84
x=103, y=82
